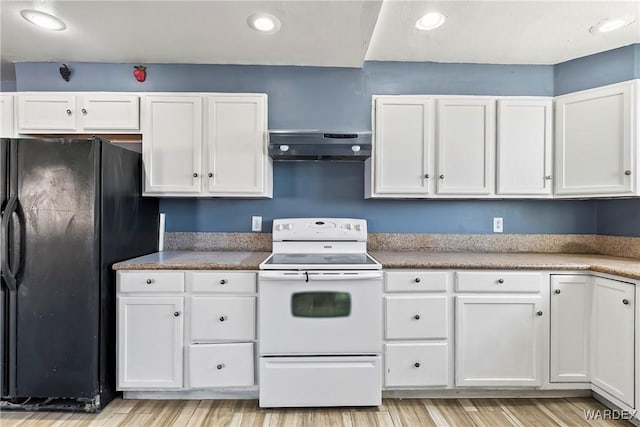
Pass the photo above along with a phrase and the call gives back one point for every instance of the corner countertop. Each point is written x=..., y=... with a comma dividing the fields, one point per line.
x=626, y=267
x=245, y=260
x=195, y=260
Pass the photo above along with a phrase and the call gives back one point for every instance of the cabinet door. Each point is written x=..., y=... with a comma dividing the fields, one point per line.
x=570, y=328
x=498, y=341
x=524, y=146
x=149, y=342
x=465, y=143
x=46, y=112
x=171, y=144
x=416, y=364
x=595, y=142
x=7, y=129
x=416, y=317
x=222, y=318
x=237, y=158
x=612, y=338
x=114, y=113
x=403, y=146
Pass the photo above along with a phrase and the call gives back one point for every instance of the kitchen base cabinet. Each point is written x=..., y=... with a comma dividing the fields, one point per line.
x=149, y=342
x=498, y=341
x=417, y=364
x=221, y=365
x=570, y=328
x=613, y=339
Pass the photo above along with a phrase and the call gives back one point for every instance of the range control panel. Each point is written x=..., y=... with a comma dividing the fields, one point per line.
x=328, y=229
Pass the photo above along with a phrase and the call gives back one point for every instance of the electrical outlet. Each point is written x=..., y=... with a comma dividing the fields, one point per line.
x=498, y=225
x=256, y=223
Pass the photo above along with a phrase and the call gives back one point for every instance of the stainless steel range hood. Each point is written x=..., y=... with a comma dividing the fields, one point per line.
x=319, y=145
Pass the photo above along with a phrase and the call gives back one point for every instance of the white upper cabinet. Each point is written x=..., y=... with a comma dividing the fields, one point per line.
x=524, y=150
x=171, y=144
x=64, y=112
x=596, y=142
x=224, y=155
x=403, y=157
x=7, y=116
x=237, y=159
x=465, y=142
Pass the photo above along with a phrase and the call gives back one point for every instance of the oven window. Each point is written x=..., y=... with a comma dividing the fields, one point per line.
x=321, y=304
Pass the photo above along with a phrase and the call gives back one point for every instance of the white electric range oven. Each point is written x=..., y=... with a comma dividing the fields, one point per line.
x=320, y=316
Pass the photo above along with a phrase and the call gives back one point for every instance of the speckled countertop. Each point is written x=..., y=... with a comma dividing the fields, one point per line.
x=195, y=260
x=627, y=267
x=244, y=260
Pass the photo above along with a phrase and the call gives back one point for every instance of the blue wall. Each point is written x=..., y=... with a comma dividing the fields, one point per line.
x=340, y=98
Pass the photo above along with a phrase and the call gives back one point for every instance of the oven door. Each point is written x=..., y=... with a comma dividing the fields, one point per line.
x=319, y=312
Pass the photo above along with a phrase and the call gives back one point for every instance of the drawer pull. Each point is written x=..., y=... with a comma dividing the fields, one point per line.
x=149, y=281
x=84, y=111
x=68, y=112
x=501, y=281
x=222, y=282
x=417, y=280
x=417, y=364
x=417, y=317
x=625, y=301
x=557, y=291
x=220, y=366
x=176, y=313
x=223, y=318
x=539, y=313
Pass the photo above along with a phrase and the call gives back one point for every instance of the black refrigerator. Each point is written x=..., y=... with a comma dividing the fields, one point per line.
x=70, y=209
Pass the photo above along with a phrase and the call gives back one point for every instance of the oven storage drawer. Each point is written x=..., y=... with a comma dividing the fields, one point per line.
x=419, y=281
x=221, y=365
x=416, y=365
x=222, y=318
x=416, y=317
x=150, y=281
x=497, y=281
x=222, y=282
x=320, y=381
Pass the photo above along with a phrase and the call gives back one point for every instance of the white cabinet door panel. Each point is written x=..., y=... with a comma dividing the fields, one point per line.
x=172, y=140
x=221, y=365
x=465, y=144
x=47, y=112
x=222, y=318
x=150, y=342
x=104, y=112
x=570, y=328
x=417, y=364
x=416, y=317
x=524, y=136
x=403, y=146
x=7, y=116
x=498, y=341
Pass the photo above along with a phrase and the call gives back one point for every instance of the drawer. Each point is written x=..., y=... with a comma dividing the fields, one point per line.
x=409, y=317
x=222, y=318
x=222, y=282
x=221, y=365
x=497, y=281
x=418, y=281
x=150, y=281
x=423, y=364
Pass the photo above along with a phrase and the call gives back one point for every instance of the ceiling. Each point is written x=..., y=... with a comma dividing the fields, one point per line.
x=314, y=32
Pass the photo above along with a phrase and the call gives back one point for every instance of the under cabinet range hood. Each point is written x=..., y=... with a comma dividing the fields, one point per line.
x=319, y=145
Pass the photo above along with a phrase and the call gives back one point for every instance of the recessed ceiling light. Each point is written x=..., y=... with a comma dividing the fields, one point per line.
x=42, y=19
x=608, y=25
x=430, y=21
x=264, y=22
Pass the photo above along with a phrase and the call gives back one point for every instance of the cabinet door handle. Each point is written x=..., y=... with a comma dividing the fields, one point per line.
x=417, y=317
x=222, y=318
x=426, y=175
x=441, y=176
x=84, y=111
x=149, y=281
x=548, y=177
x=176, y=313
x=625, y=301
x=222, y=281
x=417, y=280
x=220, y=366
x=210, y=175
x=68, y=112
x=627, y=172
x=417, y=364
x=501, y=281
x=539, y=313
x=195, y=174
x=557, y=291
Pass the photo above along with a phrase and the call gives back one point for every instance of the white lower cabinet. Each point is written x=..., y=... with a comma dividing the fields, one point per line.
x=221, y=365
x=417, y=364
x=613, y=339
x=570, y=328
x=498, y=341
x=222, y=318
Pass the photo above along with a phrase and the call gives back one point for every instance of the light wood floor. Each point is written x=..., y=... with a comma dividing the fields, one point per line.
x=392, y=413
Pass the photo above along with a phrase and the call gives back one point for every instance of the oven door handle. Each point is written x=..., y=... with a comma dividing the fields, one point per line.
x=324, y=277
x=281, y=276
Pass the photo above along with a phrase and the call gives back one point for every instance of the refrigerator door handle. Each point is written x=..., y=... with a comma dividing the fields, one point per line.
x=7, y=274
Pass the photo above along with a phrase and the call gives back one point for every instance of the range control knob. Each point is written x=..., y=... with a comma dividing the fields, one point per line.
x=347, y=226
x=358, y=227
x=279, y=227
x=289, y=226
